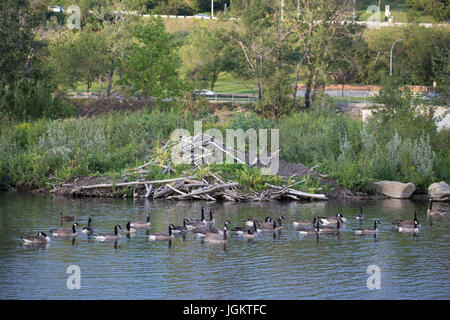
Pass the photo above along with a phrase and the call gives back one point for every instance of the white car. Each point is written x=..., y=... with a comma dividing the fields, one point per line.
x=56, y=9
x=204, y=92
x=202, y=15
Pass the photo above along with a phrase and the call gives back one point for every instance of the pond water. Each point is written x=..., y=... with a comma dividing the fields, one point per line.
x=285, y=266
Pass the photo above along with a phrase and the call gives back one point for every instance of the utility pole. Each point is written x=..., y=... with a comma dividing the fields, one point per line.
x=392, y=48
x=212, y=9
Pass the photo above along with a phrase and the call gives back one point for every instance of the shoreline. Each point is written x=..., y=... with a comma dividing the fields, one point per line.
x=66, y=189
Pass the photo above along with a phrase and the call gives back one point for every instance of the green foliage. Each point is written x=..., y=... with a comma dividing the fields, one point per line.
x=34, y=99
x=32, y=152
x=79, y=56
x=152, y=61
x=203, y=56
x=277, y=100
x=248, y=121
x=263, y=44
x=401, y=111
x=249, y=178
x=399, y=142
x=438, y=9
x=421, y=57
x=18, y=45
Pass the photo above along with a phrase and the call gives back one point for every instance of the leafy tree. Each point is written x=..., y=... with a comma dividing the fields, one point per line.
x=413, y=57
x=263, y=41
x=18, y=46
x=438, y=9
x=317, y=24
x=204, y=55
x=79, y=56
x=152, y=61
x=398, y=108
x=115, y=29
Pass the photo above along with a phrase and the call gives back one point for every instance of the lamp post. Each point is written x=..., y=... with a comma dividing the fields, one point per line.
x=392, y=48
x=212, y=9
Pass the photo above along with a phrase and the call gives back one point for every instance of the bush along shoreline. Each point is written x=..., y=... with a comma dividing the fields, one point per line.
x=398, y=143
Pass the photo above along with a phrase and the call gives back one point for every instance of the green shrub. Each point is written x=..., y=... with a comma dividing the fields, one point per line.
x=34, y=100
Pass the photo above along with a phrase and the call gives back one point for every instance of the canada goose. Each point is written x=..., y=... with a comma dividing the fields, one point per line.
x=333, y=220
x=183, y=228
x=435, y=212
x=407, y=223
x=216, y=237
x=65, y=232
x=141, y=224
x=129, y=228
x=109, y=236
x=410, y=228
x=203, y=232
x=368, y=230
x=280, y=226
x=305, y=223
x=211, y=222
x=40, y=237
x=244, y=229
x=272, y=228
x=88, y=229
x=250, y=234
x=268, y=223
x=330, y=229
x=65, y=218
x=249, y=222
x=309, y=231
x=360, y=215
x=162, y=236
x=195, y=223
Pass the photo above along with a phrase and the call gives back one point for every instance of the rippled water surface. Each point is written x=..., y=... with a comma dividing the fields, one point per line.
x=286, y=266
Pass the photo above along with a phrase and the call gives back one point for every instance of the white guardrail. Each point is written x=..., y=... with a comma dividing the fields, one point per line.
x=370, y=24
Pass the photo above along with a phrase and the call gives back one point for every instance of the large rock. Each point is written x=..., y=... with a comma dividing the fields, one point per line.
x=439, y=191
x=395, y=189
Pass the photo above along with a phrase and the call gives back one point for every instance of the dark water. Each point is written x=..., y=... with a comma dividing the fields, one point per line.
x=284, y=267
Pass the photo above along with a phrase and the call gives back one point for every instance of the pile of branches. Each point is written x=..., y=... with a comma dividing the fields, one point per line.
x=210, y=186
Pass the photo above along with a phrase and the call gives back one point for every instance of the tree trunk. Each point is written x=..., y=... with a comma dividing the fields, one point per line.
x=149, y=99
x=260, y=89
x=214, y=79
x=296, y=81
x=308, y=88
x=110, y=76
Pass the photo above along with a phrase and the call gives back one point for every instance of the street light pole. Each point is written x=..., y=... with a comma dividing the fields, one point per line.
x=212, y=9
x=392, y=48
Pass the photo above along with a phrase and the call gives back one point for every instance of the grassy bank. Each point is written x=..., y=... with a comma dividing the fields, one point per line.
x=39, y=153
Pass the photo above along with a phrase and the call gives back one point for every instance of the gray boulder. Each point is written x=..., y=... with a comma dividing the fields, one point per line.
x=395, y=189
x=439, y=191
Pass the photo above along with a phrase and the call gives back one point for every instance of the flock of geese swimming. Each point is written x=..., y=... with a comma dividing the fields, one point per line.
x=206, y=230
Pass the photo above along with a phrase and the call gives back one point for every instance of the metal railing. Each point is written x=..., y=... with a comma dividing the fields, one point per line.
x=230, y=97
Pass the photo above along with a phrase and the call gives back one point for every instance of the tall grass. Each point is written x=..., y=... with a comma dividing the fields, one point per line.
x=353, y=152
x=356, y=154
x=30, y=153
